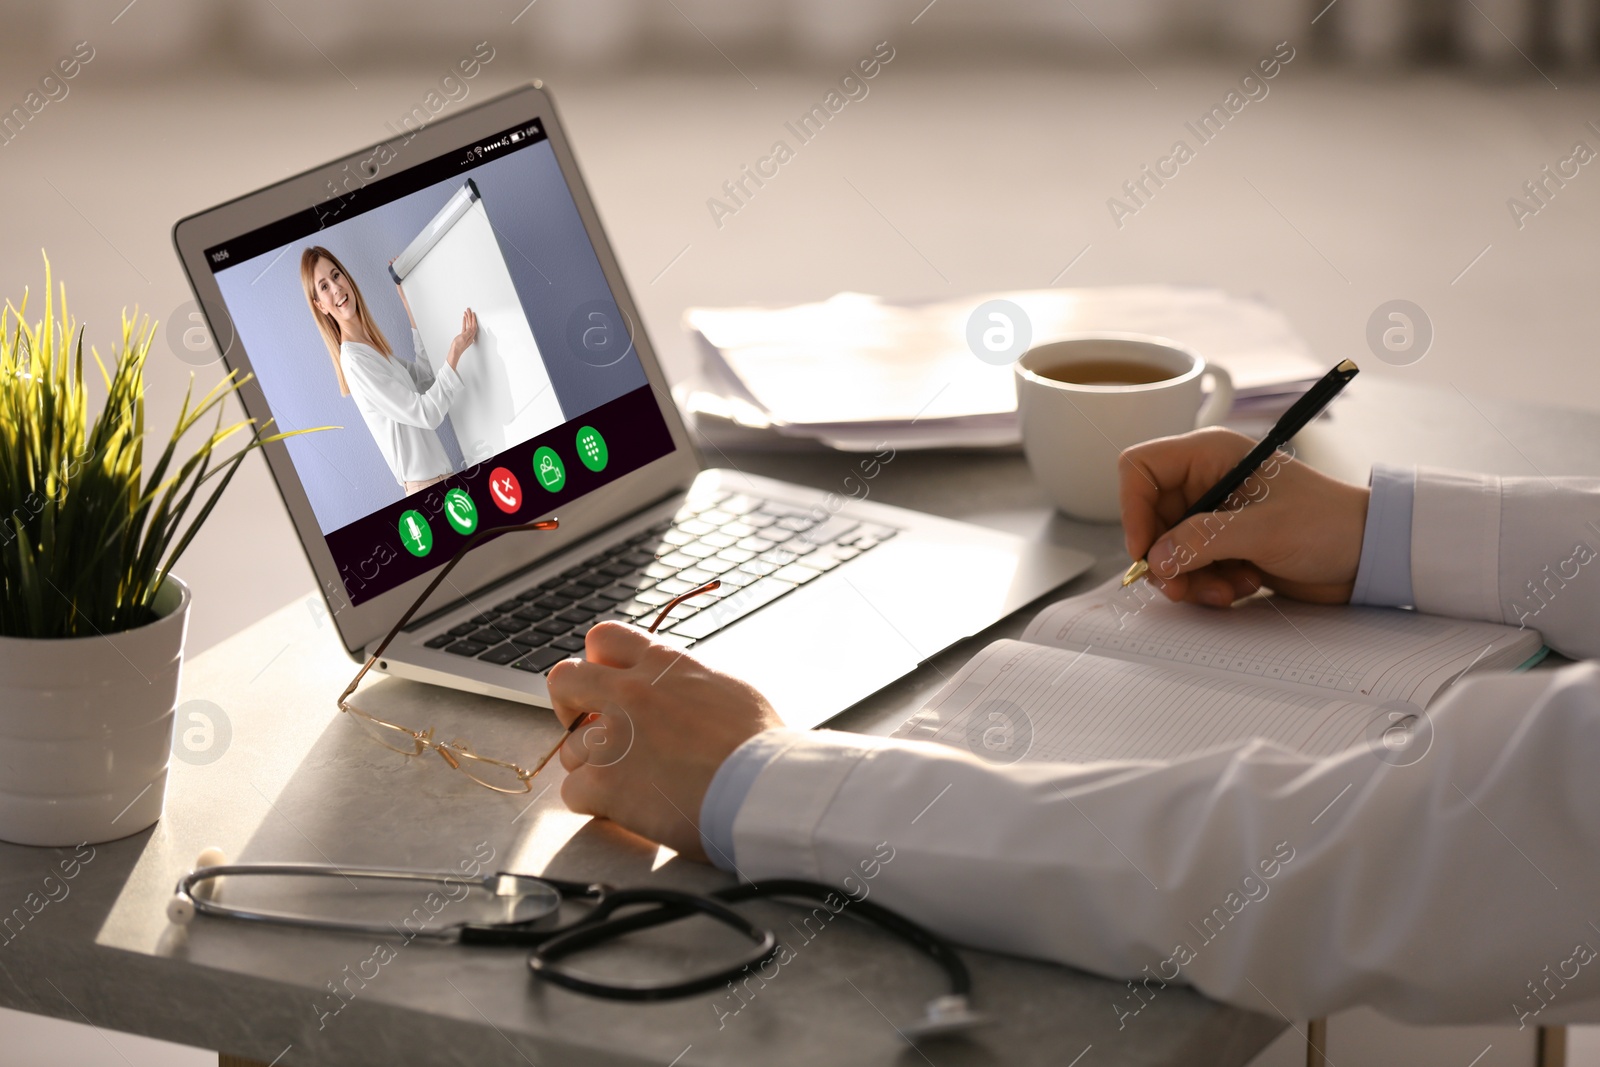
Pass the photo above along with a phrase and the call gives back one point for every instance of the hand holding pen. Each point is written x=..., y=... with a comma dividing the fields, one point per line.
x=1293, y=529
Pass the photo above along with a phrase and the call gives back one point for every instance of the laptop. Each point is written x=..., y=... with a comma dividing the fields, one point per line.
x=448, y=303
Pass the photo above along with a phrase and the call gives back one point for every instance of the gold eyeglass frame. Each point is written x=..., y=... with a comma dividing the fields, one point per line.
x=457, y=753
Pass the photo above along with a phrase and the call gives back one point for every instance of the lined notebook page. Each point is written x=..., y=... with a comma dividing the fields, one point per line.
x=1019, y=701
x=1383, y=653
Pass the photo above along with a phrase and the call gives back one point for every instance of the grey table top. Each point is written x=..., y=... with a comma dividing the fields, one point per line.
x=297, y=783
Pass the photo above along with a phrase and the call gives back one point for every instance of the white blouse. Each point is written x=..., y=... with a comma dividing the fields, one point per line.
x=402, y=403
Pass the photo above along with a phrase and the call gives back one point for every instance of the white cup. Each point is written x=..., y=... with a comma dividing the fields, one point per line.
x=1073, y=433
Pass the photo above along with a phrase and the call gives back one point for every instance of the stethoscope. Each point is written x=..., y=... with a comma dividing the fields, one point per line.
x=528, y=905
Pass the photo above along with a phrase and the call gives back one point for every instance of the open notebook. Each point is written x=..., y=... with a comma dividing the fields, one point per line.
x=1125, y=674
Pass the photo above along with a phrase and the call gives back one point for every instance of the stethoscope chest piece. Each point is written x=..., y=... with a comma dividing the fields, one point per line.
x=949, y=1014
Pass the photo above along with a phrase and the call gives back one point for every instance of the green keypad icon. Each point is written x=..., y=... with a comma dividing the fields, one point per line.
x=415, y=533
x=460, y=511
x=548, y=469
x=592, y=452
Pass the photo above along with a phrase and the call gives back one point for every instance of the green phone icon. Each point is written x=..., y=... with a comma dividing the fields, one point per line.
x=592, y=452
x=548, y=470
x=415, y=533
x=460, y=511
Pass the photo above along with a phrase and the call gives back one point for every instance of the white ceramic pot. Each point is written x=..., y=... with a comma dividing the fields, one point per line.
x=86, y=728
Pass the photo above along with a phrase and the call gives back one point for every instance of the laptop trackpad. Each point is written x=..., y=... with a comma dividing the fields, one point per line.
x=815, y=654
x=860, y=627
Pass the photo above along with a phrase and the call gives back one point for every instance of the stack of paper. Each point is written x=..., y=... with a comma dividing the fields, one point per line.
x=855, y=372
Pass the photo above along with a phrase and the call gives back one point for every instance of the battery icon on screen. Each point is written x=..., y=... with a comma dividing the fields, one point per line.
x=516, y=136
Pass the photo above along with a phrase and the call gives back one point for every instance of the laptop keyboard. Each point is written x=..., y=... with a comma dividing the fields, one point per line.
x=760, y=550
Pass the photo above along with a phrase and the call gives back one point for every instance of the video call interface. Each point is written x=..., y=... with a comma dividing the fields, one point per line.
x=446, y=333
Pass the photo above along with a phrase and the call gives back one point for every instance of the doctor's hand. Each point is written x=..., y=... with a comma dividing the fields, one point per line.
x=1299, y=531
x=663, y=725
x=464, y=339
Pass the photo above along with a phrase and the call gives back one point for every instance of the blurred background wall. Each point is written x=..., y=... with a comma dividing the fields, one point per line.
x=609, y=33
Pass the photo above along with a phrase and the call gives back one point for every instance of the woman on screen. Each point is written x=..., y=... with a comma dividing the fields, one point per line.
x=402, y=402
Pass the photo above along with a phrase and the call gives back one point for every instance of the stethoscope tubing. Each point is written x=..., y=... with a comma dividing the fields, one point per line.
x=601, y=926
x=670, y=904
x=204, y=905
x=551, y=944
x=919, y=937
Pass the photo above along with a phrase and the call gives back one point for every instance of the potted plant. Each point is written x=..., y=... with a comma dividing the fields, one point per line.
x=92, y=619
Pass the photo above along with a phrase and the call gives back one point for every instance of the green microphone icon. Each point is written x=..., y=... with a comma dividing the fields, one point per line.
x=415, y=534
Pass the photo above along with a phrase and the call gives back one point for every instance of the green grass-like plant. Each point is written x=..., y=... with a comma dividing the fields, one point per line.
x=87, y=536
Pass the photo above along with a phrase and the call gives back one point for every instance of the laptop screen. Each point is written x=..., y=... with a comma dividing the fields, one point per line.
x=452, y=323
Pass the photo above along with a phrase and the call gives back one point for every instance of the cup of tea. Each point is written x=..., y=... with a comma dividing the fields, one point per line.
x=1084, y=399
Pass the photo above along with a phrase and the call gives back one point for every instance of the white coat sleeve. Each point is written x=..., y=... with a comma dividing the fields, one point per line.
x=1454, y=887
x=396, y=398
x=1436, y=892
x=1516, y=550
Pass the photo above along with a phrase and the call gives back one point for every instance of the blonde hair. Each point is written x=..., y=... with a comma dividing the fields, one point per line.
x=327, y=325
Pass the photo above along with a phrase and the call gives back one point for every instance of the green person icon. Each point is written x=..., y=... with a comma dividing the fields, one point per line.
x=460, y=511
x=548, y=470
x=592, y=449
x=415, y=533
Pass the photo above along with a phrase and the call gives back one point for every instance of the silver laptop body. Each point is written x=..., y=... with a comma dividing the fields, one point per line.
x=826, y=596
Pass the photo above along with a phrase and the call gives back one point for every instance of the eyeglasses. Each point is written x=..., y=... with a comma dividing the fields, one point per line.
x=502, y=776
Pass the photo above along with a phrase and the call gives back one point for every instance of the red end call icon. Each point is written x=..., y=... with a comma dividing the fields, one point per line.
x=505, y=490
